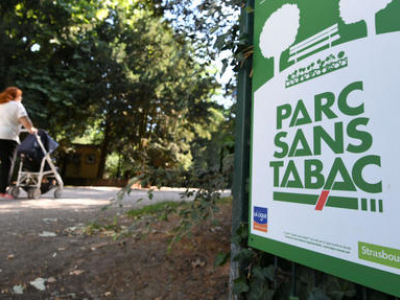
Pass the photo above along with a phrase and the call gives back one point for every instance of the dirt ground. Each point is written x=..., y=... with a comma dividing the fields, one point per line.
x=47, y=254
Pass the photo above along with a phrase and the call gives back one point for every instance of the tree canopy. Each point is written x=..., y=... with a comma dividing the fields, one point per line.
x=121, y=70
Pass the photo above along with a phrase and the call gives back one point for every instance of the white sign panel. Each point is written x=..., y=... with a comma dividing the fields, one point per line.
x=325, y=175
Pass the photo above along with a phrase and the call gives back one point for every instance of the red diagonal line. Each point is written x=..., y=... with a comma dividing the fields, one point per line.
x=322, y=200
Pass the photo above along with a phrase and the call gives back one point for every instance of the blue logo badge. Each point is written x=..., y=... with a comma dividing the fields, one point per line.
x=260, y=219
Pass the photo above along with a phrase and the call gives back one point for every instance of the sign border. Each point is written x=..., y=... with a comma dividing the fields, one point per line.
x=370, y=277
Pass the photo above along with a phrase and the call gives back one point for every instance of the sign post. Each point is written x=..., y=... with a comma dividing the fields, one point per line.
x=242, y=143
x=325, y=163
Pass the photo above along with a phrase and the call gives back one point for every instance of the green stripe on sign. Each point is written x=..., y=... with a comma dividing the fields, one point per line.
x=364, y=204
x=379, y=254
x=373, y=205
x=342, y=202
x=296, y=198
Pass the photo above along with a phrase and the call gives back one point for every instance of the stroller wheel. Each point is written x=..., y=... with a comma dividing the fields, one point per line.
x=14, y=191
x=34, y=193
x=58, y=193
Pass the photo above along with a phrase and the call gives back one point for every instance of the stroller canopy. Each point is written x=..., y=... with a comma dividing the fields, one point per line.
x=32, y=154
x=30, y=145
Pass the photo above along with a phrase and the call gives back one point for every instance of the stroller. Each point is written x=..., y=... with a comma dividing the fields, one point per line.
x=37, y=173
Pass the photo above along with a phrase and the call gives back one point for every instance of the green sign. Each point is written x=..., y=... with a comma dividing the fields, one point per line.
x=325, y=167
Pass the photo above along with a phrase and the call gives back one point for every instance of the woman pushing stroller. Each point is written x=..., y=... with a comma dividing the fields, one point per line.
x=12, y=115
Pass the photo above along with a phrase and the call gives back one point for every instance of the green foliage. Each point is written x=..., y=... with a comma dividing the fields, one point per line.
x=114, y=66
x=205, y=202
x=94, y=227
x=240, y=286
x=159, y=210
x=264, y=276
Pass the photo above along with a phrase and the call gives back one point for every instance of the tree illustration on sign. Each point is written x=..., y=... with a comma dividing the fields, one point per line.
x=279, y=32
x=353, y=11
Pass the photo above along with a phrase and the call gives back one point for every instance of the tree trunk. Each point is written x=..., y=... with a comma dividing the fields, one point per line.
x=119, y=165
x=277, y=60
x=142, y=134
x=104, y=151
x=371, y=27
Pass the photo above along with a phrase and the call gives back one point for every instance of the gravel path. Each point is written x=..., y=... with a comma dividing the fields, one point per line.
x=39, y=238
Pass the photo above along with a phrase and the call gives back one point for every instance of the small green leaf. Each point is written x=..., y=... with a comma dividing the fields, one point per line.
x=257, y=272
x=240, y=286
x=318, y=294
x=269, y=272
x=222, y=259
x=244, y=255
x=220, y=41
x=101, y=14
x=249, y=9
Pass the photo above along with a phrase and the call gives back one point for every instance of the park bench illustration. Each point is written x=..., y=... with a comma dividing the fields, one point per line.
x=321, y=39
x=318, y=41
